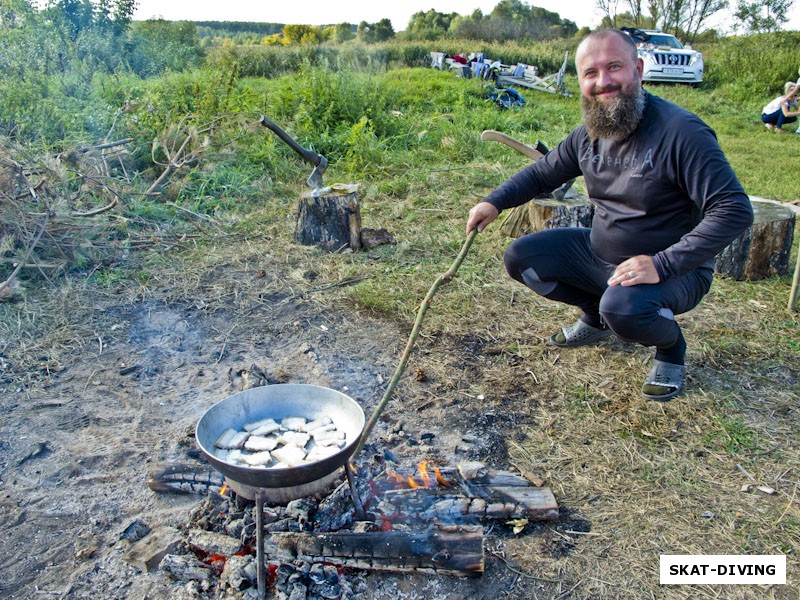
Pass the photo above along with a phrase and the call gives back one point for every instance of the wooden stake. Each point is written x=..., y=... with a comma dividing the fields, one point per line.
x=795, y=282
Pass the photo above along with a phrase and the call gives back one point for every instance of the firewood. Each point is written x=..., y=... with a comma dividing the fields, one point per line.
x=450, y=551
x=481, y=502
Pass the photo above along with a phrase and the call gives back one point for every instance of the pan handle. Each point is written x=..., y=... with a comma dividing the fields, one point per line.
x=311, y=156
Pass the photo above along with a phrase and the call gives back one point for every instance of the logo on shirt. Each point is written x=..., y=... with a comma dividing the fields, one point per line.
x=634, y=162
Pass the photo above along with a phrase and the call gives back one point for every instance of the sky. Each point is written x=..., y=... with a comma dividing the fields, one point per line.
x=326, y=12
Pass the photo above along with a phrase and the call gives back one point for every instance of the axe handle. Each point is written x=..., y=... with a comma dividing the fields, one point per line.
x=496, y=136
x=311, y=156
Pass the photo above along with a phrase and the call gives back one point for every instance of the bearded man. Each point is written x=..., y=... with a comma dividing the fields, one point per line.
x=666, y=202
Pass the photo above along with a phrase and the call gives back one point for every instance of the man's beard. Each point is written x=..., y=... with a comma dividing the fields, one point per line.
x=616, y=121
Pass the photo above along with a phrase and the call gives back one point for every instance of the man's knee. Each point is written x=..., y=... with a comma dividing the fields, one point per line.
x=531, y=279
x=519, y=267
x=513, y=261
x=634, y=320
x=622, y=314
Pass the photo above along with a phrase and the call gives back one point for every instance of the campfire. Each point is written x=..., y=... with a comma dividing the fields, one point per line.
x=419, y=519
x=379, y=519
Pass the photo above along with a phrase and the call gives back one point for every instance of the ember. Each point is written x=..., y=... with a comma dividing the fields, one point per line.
x=318, y=547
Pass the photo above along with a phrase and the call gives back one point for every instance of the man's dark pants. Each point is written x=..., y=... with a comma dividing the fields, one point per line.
x=560, y=265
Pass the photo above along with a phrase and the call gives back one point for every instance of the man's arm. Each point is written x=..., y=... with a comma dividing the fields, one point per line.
x=726, y=212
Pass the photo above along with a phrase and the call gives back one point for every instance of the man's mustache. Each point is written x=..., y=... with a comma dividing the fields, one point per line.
x=602, y=90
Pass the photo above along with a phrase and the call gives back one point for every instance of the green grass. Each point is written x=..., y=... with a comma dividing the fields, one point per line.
x=642, y=473
x=733, y=435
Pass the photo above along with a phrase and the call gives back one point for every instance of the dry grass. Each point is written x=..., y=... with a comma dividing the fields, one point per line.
x=648, y=478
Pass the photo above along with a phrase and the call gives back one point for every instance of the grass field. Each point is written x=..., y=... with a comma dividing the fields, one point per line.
x=651, y=478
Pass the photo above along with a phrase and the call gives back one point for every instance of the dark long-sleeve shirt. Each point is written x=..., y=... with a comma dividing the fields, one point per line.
x=667, y=191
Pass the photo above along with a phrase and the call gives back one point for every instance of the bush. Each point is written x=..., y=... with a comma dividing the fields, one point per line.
x=753, y=65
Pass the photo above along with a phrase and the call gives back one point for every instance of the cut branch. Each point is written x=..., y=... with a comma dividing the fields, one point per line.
x=6, y=285
x=441, y=280
x=107, y=145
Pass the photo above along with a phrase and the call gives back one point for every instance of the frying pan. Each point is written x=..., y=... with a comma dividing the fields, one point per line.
x=278, y=401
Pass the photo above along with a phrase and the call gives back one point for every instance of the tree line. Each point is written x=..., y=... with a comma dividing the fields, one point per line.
x=514, y=20
x=689, y=18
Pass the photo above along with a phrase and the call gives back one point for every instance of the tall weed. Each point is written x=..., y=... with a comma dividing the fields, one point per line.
x=753, y=65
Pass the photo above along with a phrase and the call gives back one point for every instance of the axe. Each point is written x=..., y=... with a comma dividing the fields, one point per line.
x=533, y=152
x=320, y=162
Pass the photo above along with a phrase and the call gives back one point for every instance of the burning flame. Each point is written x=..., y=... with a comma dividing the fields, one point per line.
x=223, y=489
x=440, y=478
x=423, y=479
x=422, y=468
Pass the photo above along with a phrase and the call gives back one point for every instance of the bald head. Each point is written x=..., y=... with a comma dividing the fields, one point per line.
x=603, y=34
x=607, y=61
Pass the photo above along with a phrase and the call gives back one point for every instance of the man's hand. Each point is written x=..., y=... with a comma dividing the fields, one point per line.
x=635, y=270
x=480, y=216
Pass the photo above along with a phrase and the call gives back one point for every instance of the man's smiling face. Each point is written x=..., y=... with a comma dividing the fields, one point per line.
x=610, y=76
x=607, y=66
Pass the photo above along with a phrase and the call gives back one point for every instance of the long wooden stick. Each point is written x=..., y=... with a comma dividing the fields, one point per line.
x=441, y=280
x=795, y=282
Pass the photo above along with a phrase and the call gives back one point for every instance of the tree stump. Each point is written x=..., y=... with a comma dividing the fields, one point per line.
x=329, y=219
x=547, y=213
x=763, y=250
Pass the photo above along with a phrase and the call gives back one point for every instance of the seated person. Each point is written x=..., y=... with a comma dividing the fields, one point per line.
x=782, y=109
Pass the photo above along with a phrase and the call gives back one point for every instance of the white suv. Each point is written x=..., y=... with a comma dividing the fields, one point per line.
x=665, y=58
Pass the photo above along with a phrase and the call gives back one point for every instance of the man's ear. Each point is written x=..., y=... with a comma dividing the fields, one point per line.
x=640, y=67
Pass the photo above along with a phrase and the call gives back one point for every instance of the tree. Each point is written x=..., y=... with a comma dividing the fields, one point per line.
x=375, y=32
x=343, y=32
x=684, y=18
x=123, y=13
x=156, y=45
x=762, y=16
x=15, y=13
x=625, y=19
x=610, y=8
x=72, y=15
x=114, y=15
x=301, y=34
x=429, y=25
x=383, y=30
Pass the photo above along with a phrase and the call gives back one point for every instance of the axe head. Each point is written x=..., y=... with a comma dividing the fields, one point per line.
x=315, y=179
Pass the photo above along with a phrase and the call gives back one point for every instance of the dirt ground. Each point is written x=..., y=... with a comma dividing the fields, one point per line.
x=79, y=441
x=116, y=387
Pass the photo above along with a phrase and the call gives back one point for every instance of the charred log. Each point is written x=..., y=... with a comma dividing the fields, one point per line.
x=184, y=479
x=449, y=551
x=477, y=502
